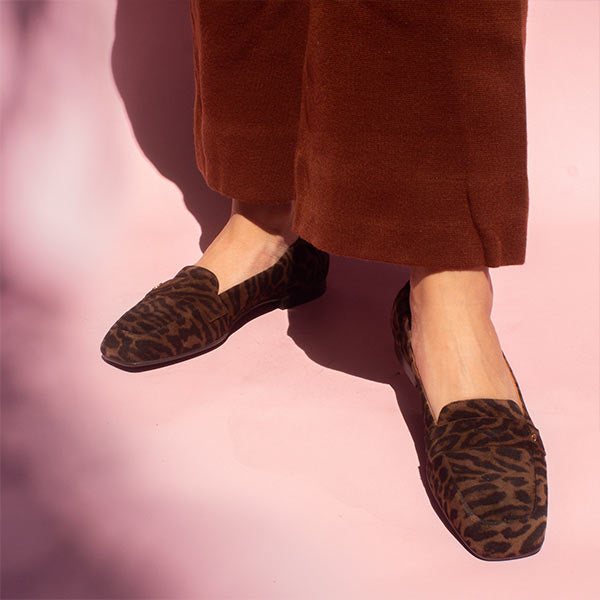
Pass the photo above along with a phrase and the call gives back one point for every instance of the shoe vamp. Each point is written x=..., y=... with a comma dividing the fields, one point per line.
x=180, y=309
x=496, y=483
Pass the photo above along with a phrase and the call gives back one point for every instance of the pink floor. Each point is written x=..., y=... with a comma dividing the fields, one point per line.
x=284, y=464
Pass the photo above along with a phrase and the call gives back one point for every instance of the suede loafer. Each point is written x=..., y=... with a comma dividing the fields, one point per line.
x=186, y=316
x=485, y=462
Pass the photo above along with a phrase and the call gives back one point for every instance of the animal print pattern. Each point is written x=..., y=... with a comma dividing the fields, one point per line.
x=485, y=462
x=185, y=315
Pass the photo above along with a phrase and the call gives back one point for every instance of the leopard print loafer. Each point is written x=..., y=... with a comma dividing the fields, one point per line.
x=185, y=316
x=485, y=462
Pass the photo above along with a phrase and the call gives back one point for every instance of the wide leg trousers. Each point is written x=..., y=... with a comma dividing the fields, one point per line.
x=396, y=127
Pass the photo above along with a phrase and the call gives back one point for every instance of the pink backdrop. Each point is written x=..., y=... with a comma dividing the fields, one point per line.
x=284, y=464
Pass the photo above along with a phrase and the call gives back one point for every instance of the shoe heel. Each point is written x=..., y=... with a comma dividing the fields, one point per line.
x=300, y=296
x=409, y=373
x=405, y=365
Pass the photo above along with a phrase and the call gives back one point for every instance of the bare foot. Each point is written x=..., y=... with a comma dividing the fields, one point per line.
x=454, y=341
x=254, y=239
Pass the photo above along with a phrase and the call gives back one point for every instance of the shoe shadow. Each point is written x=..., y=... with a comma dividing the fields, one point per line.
x=348, y=328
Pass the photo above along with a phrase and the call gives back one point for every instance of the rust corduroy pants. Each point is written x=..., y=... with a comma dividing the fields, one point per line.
x=397, y=128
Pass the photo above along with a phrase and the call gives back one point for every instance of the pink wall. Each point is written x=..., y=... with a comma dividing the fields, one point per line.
x=281, y=465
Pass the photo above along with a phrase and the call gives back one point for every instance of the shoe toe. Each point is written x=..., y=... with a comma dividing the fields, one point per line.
x=175, y=339
x=125, y=348
x=494, y=499
x=495, y=483
x=179, y=317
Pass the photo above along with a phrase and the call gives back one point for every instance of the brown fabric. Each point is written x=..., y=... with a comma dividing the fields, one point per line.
x=398, y=128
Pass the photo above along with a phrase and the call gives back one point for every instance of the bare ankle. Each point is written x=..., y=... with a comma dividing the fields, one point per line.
x=275, y=219
x=443, y=276
x=461, y=288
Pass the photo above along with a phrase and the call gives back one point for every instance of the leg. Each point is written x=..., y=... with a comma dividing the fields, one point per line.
x=254, y=238
x=248, y=59
x=453, y=338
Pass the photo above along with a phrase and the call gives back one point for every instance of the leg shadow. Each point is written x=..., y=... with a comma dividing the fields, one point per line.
x=152, y=64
